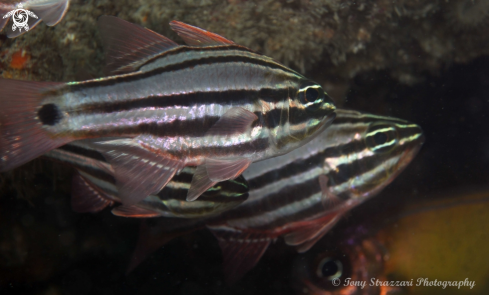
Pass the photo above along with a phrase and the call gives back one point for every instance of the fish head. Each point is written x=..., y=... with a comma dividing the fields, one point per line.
x=303, y=115
x=372, y=153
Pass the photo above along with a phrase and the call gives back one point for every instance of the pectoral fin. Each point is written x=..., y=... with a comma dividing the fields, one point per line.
x=305, y=237
x=200, y=183
x=138, y=171
x=329, y=200
x=214, y=171
x=220, y=170
x=236, y=120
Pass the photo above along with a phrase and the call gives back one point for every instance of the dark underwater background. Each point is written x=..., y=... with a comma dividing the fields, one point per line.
x=46, y=248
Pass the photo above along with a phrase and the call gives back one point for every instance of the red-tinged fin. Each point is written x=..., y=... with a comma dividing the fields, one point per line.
x=220, y=170
x=129, y=46
x=309, y=232
x=138, y=171
x=154, y=236
x=241, y=251
x=200, y=183
x=134, y=211
x=329, y=200
x=196, y=36
x=235, y=120
x=85, y=197
x=22, y=137
x=50, y=11
x=301, y=248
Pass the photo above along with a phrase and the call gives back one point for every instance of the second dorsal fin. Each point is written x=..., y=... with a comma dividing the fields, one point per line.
x=196, y=36
x=128, y=46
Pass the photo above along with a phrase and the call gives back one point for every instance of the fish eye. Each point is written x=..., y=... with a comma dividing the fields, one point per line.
x=381, y=137
x=311, y=95
x=330, y=268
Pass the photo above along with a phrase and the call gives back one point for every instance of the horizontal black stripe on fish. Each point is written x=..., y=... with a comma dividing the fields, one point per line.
x=295, y=192
x=227, y=97
x=175, y=67
x=180, y=194
x=177, y=128
x=83, y=152
x=185, y=49
x=304, y=165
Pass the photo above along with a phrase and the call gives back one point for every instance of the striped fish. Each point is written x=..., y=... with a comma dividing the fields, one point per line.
x=93, y=188
x=302, y=195
x=49, y=11
x=212, y=104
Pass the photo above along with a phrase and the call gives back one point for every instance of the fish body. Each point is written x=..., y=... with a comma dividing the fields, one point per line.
x=218, y=106
x=94, y=188
x=49, y=11
x=439, y=241
x=302, y=195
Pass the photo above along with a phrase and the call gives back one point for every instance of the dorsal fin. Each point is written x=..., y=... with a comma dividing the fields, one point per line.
x=128, y=46
x=196, y=36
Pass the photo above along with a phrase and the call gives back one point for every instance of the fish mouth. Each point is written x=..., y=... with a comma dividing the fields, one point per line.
x=408, y=155
x=326, y=122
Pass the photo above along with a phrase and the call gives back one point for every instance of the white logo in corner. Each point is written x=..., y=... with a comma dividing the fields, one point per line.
x=20, y=17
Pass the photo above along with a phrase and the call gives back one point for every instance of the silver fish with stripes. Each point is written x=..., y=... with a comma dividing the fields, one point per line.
x=302, y=195
x=211, y=104
x=94, y=189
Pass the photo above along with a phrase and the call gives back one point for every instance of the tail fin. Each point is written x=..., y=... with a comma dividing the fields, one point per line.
x=22, y=137
x=51, y=11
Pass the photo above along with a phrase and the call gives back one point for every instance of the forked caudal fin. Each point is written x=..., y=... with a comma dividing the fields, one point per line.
x=22, y=137
x=51, y=12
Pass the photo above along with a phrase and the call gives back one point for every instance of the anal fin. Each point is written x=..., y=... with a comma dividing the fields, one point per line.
x=85, y=197
x=241, y=251
x=138, y=171
x=134, y=211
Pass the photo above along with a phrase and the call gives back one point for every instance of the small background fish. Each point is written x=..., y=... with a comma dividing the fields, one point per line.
x=395, y=58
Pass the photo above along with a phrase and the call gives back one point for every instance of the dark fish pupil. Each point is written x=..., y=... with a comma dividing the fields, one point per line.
x=49, y=114
x=329, y=268
x=380, y=138
x=311, y=94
